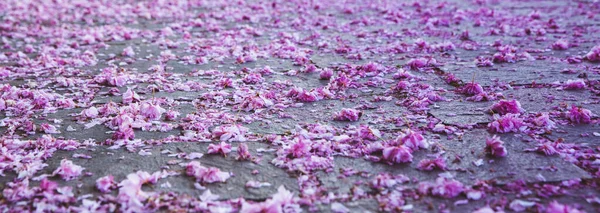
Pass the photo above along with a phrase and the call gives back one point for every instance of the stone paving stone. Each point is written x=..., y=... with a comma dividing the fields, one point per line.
x=120, y=163
x=520, y=165
x=462, y=112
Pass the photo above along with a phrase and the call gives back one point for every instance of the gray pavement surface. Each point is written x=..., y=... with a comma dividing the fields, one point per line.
x=253, y=70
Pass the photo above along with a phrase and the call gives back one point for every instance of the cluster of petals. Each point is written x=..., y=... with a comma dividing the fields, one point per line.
x=556, y=207
x=579, y=115
x=104, y=184
x=420, y=63
x=130, y=96
x=507, y=123
x=348, y=114
x=243, y=153
x=68, y=170
x=206, y=174
x=368, y=133
x=221, y=148
x=397, y=154
x=151, y=111
x=254, y=102
x=507, y=106
x=232, y=132
x=282, y=201
x=560, y=44
x=413, y=140
x=131, y=196
x=594, y=54
x=471, y=89
x=577, y=84
x=544, y=121
x=303, y=95
x=495, y=147
x=431, y=164
x=442, y=187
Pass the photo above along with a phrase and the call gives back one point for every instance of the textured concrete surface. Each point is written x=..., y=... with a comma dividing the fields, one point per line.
x=197, y=45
